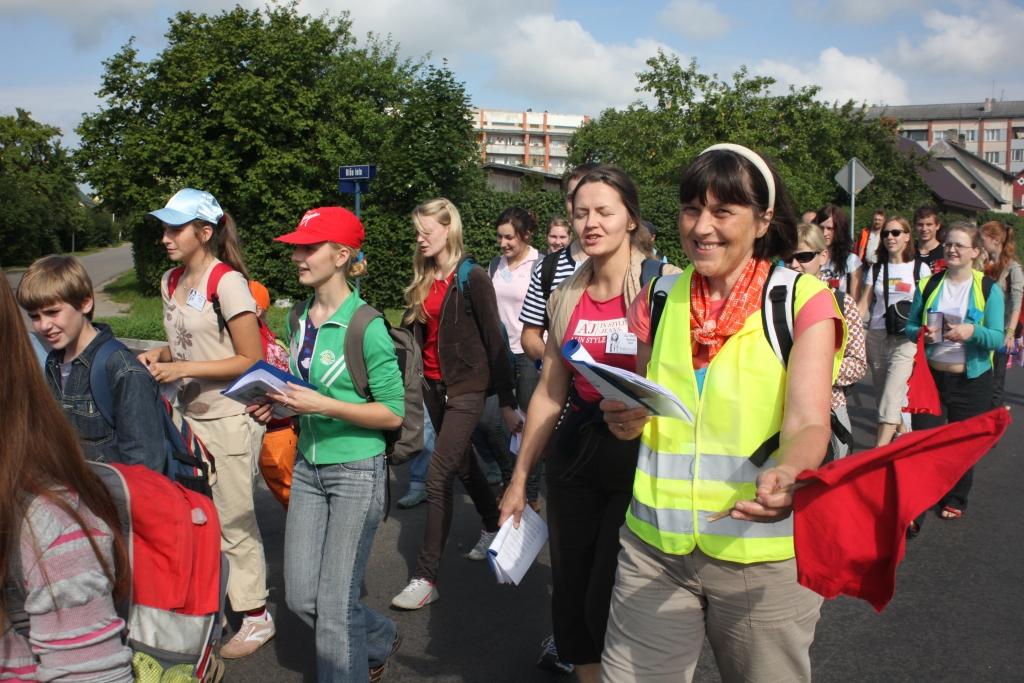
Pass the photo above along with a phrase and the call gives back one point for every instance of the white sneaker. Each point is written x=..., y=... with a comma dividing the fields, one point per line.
x=479, y=551
x=255, y=632
x=419, y=593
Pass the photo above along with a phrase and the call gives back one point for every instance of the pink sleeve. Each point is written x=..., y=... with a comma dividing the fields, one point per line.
x=638, y=317
x=820, y=307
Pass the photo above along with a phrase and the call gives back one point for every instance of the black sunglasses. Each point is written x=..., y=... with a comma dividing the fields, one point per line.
x=893, y=233
x=802, y=256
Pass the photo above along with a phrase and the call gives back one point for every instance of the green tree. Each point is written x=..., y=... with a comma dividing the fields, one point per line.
x=260, y=107
x=806, y=139
x=37, y=190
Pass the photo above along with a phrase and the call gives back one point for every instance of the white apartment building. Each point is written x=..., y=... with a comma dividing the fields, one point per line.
x=994, y=130
x=538, y=140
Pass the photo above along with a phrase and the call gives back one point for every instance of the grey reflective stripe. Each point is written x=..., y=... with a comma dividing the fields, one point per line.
x=730, y=468
x=738, y=528
x=665, y=465
x=665, y=519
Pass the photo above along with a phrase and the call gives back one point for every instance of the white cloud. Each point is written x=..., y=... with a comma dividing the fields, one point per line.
x=694, y=19
x=856, y=11
x=841, y=77
x=982, y=42
x=559, y=63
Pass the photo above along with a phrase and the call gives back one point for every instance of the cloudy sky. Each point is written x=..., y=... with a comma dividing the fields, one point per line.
x=571, y=56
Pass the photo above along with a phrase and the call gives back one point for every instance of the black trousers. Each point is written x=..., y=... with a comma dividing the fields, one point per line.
x=590, y=484
x=961, y=398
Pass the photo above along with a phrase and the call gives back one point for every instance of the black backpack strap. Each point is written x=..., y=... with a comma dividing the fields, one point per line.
x=917, y=268
x=986, y=286
x=658, y=295
x=930, y=286
x=99, y=379
x=778, y=311
x=493, y=266
x=885, y=286
x=548, y=268
x=354, y=360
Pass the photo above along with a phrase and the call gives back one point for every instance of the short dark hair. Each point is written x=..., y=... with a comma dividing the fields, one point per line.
x=521, y=220
x=735, y=180
x=576, y=173
x=926, y=210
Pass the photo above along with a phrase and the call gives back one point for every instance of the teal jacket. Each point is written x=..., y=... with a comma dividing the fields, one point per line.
x=324, y=440
x=985, y=315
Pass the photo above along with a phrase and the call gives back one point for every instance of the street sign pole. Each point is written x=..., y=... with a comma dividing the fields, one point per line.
x=359, y=194
x=853, y=200
x=853, y=177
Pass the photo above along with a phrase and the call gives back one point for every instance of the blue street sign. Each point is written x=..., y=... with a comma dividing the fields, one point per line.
x=360, y=172
x=353, y=187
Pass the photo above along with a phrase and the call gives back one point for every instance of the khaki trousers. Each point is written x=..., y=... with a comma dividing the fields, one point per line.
x=759, y=620
x=235, y=443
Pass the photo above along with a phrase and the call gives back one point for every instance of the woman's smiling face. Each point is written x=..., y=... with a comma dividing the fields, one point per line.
x=717, y=237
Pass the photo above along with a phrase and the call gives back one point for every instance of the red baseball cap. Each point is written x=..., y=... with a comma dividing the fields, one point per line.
x=327, y=224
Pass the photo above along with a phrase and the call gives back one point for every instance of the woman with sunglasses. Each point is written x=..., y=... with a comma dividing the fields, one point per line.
x=810, y=257
x=960, y=312
x=1001, y=265
x=890, y=355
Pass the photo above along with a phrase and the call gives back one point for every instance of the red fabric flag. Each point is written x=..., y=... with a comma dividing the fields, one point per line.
x=922, y=396
x=850, y=517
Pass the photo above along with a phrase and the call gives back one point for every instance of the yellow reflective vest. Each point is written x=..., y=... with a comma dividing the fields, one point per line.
x=688, y=472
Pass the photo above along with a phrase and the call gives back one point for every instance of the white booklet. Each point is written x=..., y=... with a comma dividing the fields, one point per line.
x=513, y=550
x=617, y=384
x=261, y=379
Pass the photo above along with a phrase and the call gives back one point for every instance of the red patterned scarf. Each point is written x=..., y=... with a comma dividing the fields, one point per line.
x=744, y=299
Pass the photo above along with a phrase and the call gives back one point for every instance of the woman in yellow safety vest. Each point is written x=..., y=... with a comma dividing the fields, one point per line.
x=707, y=549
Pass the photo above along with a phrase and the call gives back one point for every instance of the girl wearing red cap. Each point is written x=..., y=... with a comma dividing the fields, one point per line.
x=337, y=493
x=213, y=337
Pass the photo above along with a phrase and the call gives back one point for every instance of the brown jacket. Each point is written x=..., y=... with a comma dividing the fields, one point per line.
x=471, y=345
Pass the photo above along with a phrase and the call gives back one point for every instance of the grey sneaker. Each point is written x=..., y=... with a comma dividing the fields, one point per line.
x=255, y=632
x=479, y=551
x=419, y=593
x=412, y=498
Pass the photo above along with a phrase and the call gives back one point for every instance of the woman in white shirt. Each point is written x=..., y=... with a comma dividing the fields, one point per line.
x=887, y=295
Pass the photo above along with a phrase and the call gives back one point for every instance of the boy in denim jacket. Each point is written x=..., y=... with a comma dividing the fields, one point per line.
x=57, y=294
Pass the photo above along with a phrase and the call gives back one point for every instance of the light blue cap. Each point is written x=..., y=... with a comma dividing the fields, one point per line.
x=188, y=205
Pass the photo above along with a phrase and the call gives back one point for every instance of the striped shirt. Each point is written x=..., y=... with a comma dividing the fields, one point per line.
x=74, y=630
x=535, y=306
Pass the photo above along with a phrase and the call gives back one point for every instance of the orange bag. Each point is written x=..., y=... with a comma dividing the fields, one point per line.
x=277, y=460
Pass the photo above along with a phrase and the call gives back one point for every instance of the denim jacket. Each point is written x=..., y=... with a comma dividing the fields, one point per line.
x=138, y=438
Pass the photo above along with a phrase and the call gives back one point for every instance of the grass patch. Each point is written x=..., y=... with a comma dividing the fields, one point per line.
x=144, y=319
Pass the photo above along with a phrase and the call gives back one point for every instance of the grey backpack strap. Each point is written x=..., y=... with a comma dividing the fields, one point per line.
x=354, y=360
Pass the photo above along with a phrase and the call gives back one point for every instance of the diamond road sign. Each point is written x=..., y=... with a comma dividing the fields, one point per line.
x=854, y=176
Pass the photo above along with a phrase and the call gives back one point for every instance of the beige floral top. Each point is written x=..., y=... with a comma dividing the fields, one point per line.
x=193, y=334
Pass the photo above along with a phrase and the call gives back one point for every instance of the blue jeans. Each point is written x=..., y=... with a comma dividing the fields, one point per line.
x=421, y=463
x=333, y=515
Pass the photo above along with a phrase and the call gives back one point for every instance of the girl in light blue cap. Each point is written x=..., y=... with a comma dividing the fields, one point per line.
x=213, y=337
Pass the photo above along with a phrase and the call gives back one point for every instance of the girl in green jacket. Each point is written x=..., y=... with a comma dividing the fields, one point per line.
x=337, y=495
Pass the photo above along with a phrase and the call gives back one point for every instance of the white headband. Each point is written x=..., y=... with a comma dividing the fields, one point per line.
x=754, y=158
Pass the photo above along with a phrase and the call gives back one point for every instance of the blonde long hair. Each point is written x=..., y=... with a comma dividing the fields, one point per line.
x=426, y=269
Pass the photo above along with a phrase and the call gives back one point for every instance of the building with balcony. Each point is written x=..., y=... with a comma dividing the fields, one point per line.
x=536, y=140
x=993, y=130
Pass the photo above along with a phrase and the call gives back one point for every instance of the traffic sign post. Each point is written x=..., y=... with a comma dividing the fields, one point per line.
x=356, y=180
x=854, y=177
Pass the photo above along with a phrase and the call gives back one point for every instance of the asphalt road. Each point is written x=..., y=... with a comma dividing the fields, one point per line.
x=102, y=266
x=956, y=616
